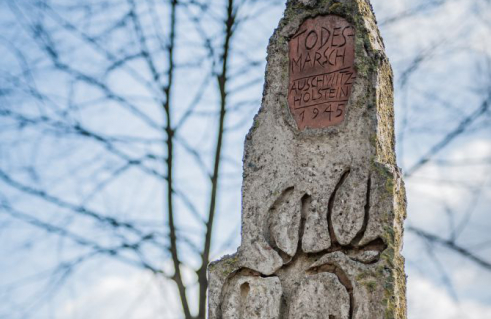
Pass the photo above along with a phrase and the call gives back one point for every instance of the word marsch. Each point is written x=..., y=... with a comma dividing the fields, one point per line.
x=322, y=47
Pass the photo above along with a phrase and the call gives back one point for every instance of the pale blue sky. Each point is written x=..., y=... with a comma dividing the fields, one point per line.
x=449, y=83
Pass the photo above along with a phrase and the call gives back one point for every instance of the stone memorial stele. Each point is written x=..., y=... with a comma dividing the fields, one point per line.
x=323, y=202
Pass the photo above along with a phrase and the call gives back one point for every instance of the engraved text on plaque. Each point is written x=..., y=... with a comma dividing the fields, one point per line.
x=322, y=55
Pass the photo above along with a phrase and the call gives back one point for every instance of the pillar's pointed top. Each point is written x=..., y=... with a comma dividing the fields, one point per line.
x=322, y=199
x=309, y=2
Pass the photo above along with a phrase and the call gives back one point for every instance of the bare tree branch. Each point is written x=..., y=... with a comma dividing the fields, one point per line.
x=450, y=245
x=450, y=137
x=230, y=24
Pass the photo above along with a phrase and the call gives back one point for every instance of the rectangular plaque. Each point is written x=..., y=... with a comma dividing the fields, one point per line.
x=322, y=55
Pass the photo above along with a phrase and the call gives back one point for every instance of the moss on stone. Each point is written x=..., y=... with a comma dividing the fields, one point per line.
x=370, y=285
x=336, y=8
x=225, y=266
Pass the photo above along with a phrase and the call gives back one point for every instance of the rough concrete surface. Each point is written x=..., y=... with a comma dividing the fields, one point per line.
x=322, y=208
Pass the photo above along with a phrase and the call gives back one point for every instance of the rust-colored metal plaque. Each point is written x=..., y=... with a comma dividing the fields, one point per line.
x=322, y=56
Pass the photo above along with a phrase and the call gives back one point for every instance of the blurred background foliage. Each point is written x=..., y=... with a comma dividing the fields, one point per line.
x=121, y=133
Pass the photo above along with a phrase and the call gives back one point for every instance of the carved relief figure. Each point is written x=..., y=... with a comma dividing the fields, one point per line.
x=322, y=201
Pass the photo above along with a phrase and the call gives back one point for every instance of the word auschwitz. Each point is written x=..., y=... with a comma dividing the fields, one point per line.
x=330, y=86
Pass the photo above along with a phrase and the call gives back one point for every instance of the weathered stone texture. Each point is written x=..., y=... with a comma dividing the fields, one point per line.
x=322, y=208
x=252, y=297
x=320, y=296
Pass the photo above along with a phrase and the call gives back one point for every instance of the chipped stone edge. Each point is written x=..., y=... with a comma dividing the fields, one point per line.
x=218, y=273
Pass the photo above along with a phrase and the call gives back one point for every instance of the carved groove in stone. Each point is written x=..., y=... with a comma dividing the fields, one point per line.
x=284, y=222
x=245, y=288
x=331, y=206
x=349, y=207
x=378, y=200
x=366, y=217
x=360, y=279
x=343, y=280
x=305, y=212
x=251, y=297
x=320, y=295
x=368, y=253
x=315, y=234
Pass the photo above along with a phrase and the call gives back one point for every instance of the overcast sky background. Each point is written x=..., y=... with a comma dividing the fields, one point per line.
x=449, y=81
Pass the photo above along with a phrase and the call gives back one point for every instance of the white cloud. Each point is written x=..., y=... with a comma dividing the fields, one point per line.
x=435, y=184
x=425, y=300
x=138, y=296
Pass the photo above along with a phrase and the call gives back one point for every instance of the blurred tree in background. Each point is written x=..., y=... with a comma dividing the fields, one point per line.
x=121, y=134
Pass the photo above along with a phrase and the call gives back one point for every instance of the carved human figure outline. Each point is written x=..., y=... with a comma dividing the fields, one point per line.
x=324, y=287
